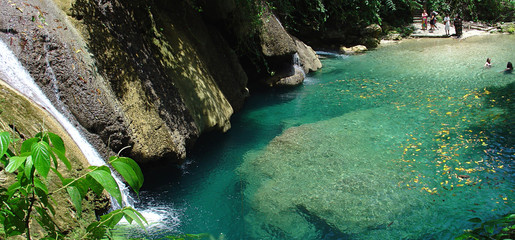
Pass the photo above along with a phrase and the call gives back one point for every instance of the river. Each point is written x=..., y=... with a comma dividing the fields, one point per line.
x=408, y=141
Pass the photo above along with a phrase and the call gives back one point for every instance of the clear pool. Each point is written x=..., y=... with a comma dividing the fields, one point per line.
x=408, y=141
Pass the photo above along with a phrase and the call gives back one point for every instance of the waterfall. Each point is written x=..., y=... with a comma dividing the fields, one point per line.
x=297, y=65
x=14, y=74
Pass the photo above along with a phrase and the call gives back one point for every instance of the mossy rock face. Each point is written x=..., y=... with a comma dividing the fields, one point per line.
x=151, y=76
x=24, y=119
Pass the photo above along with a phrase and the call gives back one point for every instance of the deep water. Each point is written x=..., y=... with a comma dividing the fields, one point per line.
x=408, y=141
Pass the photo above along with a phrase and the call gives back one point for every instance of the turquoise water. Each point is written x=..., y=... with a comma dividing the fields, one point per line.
x=408, y=141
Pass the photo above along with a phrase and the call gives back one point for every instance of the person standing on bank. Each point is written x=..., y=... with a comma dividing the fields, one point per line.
x=424, y=20
x=458, y=24
x=447, y=21
x=432, y=21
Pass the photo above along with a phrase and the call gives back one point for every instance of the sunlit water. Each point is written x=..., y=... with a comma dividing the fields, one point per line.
x=408, y=141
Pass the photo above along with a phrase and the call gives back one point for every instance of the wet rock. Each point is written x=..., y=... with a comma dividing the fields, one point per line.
x=353, y=50
x=308, y=58
x=373, y=30
x=293, y=80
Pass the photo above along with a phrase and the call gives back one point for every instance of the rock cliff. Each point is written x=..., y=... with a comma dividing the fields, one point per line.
x=152, y=75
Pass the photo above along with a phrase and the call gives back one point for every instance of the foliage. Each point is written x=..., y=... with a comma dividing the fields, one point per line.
x=324, y=15
x=405, y=31
x=476, y=10
x=502, y=228
x=29, y=198
x=319, y=15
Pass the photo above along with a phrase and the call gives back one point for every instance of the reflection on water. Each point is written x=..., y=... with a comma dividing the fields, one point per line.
x=407, y=141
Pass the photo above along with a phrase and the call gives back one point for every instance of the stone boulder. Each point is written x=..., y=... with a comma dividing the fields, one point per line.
x=353, y=50
x=275, y=41
x=296, y=79
x=372, y=30
x=371, y=35
x=308, y=59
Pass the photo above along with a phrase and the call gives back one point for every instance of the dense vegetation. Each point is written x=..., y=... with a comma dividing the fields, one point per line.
x=345, y=18
x=477, y=10
x=30, y=199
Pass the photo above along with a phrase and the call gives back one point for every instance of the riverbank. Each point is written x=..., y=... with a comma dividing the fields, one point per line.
x=470, y=29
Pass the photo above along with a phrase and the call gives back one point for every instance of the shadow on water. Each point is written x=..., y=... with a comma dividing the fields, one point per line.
x=326, y=230
x=499, y=131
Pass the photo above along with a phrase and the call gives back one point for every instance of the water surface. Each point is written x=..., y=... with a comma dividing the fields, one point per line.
x=408, y=141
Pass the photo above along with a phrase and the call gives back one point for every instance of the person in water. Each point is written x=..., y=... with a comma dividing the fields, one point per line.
x=424, y=20
x=488, y=63
x=509, y=68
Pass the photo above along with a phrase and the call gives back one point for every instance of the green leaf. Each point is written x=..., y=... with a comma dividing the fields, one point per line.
x=82, y=186
x=43, y=136
x=111, y=219
x=94, y=185
x=14, y=163
x=141, y=216
x=103, y=176
x=40, y=185
x=57, y=142
x=5, y=140
x=76, y=199
x=490, y=228
x=62, y=156
x=29, y=167
x=130, y=212
x=475, y=220
x=13, y=188
x=58, y=175
x=41, y=157
x=26, y=146
x=96, y=231
x=54, y=159
x=130, y=171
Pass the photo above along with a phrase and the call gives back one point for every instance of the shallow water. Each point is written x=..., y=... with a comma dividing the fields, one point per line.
x=408, y=141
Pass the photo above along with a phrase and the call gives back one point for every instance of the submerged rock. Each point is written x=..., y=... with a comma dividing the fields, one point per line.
x=317, y=178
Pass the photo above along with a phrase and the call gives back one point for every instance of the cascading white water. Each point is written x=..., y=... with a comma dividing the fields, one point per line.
x=297, y=65
x=14, y=74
